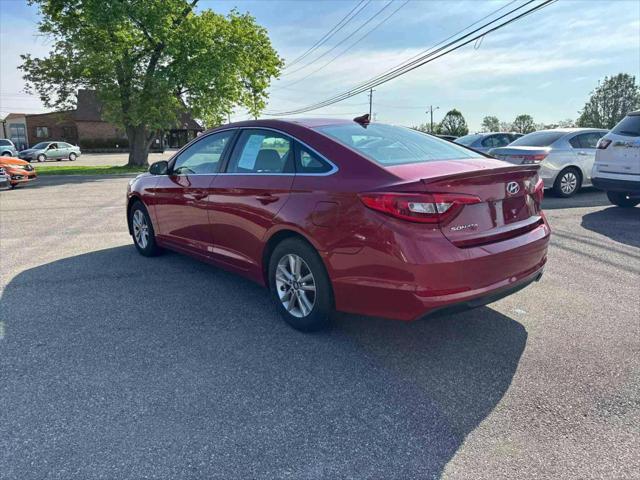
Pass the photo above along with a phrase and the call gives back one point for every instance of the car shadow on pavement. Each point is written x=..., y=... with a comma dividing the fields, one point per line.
x=585, y=198
x=619, y=224
x=124, y=366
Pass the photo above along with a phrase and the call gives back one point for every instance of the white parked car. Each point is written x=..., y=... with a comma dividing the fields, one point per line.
x=565, y=155
x=617, y=166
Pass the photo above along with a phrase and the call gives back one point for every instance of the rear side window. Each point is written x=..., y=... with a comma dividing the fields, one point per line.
x=262, y=151
x=538, y=139
x=390, y=145
x=468, y=140
x=494, y=141
x=629, y=126
x=309, y=162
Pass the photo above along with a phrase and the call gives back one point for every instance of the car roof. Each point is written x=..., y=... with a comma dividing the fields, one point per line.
x=304, y=122
x=572, y=130
x=633, y=114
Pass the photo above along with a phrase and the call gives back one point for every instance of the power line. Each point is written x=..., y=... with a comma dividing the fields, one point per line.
x=408, y=63
x=434, y=55
x=369, y=20
x=284, y=87
x=339, y=26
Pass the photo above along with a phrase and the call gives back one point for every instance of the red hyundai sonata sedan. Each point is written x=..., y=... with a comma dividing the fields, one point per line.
x=342, y=215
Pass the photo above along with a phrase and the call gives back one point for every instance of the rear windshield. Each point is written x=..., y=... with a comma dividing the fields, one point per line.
x=537, y=139
x=628, y=126
x=468, y=139
x=391, y=145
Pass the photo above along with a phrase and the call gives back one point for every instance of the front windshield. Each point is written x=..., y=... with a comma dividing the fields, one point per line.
x=537, y=139
x=40, y=146
x=390, y=145
x=468, y=139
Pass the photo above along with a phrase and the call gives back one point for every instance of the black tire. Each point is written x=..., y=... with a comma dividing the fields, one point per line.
x=319, y=317
x=571, y=176
x=72, y=157
x=41, y=157
x=150, y=248
x=622, y=199
x=6, y=154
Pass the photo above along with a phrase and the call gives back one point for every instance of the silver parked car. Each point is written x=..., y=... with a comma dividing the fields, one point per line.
x=483, y=142
x=566, y=156
x=7, y=148
x=44, y=151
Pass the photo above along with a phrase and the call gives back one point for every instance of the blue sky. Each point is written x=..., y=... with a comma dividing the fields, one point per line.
x=544, y=65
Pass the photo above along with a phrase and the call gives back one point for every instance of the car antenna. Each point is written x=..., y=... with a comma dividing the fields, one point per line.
x=363, y=120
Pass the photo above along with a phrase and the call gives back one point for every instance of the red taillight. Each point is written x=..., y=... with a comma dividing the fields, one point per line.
x=538, y=191
x=603, y=143
x=418, y=207
x=534, y=158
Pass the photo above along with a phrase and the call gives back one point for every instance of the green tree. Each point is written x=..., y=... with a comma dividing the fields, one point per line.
x=490, y=124
x=524, y=124
x=149, y=61
x=453, y=123
x=610, y=102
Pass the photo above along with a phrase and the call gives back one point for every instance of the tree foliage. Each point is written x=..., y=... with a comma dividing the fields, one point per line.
x=453, y=123
x=490, y=124
x=150, y=60
x=610, y=102
x=524, y=124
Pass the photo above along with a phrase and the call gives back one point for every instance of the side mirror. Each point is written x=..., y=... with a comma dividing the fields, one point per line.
x=159, y=168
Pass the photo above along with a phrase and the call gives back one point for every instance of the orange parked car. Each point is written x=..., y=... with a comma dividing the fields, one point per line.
x=19, y=171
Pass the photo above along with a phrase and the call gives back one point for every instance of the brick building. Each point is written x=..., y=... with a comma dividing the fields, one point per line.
x=85, y=126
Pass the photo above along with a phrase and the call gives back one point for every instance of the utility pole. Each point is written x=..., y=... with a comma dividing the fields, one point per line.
x=371, y=90
x=430, y=111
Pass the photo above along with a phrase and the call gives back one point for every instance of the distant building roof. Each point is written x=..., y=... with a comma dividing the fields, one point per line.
x=14, y=115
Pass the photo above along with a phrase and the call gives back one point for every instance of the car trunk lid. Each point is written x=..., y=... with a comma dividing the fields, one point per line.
x=507, y=199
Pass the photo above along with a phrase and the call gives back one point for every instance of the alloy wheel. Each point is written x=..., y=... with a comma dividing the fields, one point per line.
x=296, y=285
x=140, y=229
x=568, y=183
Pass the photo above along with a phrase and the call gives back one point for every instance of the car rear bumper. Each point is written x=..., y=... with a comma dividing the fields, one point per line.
x=448, y=277
x=616, y=185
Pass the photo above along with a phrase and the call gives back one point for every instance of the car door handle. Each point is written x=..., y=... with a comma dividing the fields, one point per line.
x=584, y=154
x=267, y=198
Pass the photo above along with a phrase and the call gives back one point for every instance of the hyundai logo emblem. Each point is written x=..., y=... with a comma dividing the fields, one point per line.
x=513, y=188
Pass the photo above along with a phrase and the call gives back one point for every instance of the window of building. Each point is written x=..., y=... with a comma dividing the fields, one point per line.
x=42, y=132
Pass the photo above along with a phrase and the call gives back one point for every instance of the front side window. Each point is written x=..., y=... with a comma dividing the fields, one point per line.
x=42, y=131
x=389, y=145
x=203, y=156
x=53, y=146
x=586, y=140
x=261, y=151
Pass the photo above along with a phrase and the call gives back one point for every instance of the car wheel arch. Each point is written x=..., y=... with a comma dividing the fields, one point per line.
x=276, y=238
x=132, y=200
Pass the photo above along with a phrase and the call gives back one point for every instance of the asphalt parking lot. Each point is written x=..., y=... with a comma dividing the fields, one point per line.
x=105, y=159
x=117, y=366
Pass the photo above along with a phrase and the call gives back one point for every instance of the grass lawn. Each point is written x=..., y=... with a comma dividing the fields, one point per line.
x=88, y=170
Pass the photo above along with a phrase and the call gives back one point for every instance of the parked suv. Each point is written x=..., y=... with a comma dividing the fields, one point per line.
x=44, y=151
x=565, y=156
x=617, y=166
x=483, y=142
x=7, y=148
